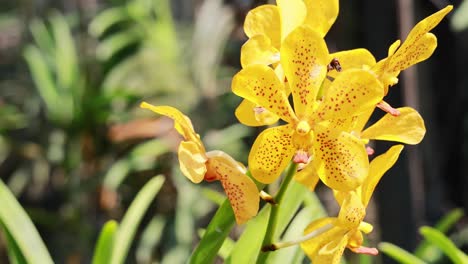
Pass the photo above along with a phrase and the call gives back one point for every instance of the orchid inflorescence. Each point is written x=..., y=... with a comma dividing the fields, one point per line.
x=324, y=131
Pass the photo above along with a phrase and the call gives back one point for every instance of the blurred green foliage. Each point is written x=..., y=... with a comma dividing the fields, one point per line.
x=436, y=246
x=75, y=140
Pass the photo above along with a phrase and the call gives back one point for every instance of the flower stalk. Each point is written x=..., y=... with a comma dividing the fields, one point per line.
x=273, y=219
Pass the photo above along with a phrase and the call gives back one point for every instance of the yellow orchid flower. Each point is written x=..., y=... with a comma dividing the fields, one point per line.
x=198, y=165
x=418, y=46
x=267, y=26
x=339, y=156
x=331, y=235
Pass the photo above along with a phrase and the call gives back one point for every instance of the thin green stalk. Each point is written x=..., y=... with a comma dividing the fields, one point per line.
x=273, y=219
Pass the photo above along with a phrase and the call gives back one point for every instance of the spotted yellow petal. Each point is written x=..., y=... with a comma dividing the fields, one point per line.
x=312, y=246
x=407, y=128
x=192, y=161
x=292, y=13
x=393, y=48
x=250, y=114
x=321, y=14
x=181, y=122
x=308, y=176
x=419, y=45
x=260, y=85
x=271, y=153
x=344, y=159
x=377, y=168
x=352, y=211
x=264, y=20
x=353, y=92
x=258, y=50
x=352, y=59
x=240, y=189
x=332, y=252
x=304, y=57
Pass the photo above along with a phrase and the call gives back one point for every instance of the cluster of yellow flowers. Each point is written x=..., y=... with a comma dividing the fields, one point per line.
x=333, y=96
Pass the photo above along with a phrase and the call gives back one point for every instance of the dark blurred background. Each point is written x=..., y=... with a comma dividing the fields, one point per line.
x=74, y=147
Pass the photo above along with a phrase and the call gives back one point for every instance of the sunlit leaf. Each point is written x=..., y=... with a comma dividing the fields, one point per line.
x=249, y=244
x=430, y=252
x=106, y=19
x=150, y=238
x=399, y=254
x=14, y=252
x=21, y=229
x=444, y=243
x=105, y=242
x=132, y=218
x=215, y=234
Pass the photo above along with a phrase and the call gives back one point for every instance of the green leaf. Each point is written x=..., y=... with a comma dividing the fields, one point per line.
x=430, y=252
x=42, y=78
x=225, y=249
x=399, y=254
x=103, y=249
x=22, y=230
x=65, y=54
x=216, y=232
x=14, y=253
x=132, y=218
x=293, y=198
x=311, y=212
x=444, y=243
x=42, y=36
x=150, y=238
x=116, y=42
x=249, y=244
x=106, y=19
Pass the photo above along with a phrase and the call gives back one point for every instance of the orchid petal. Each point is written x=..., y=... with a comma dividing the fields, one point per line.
x=264, y=20
x=258, y=50
x=260, y=85
x=271, y=153
x=192, y=161
x=182, y=123
x=407, y=128
x=321, y=14
x=308, y=176
x=344, y=159
x=292, y=13
x=353, y=92
x=377, y=168
x=304, y=57
x=246, y=114
x=240, y=189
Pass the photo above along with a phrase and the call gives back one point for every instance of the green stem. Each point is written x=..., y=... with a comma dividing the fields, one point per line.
x=273, y=219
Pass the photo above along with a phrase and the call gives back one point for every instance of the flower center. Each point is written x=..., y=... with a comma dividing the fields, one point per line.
x=303, y=127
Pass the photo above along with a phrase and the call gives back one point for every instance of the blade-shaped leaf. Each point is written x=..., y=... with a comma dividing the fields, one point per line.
x=428, y=251
x=444, y=243
x=249, y=244
x=14, y=252
x=21, y=229
x=215, y=234
x=106, y=19
x=312, y=211
x=132, y=218
x=65, y=59
x=399, y=254
x=103, y=250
